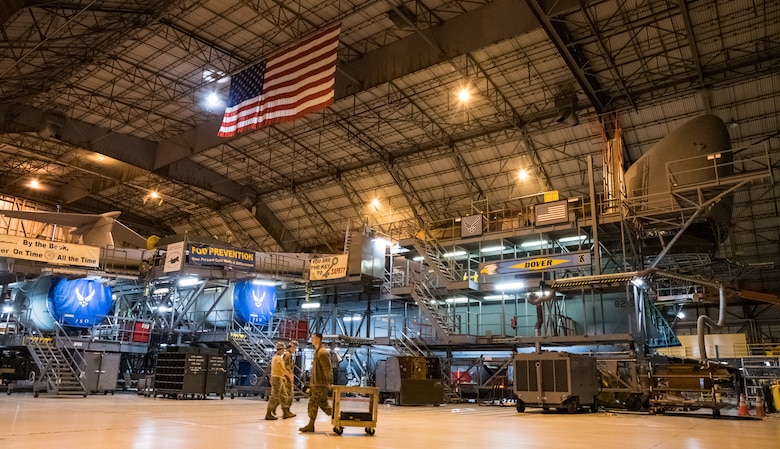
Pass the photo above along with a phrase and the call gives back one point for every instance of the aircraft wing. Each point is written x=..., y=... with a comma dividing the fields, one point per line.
x=94, y=229
x=123, y=234
x=63, y=219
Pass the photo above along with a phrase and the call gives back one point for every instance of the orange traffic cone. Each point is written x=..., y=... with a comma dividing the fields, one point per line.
x=743, y=407
x=760, y=407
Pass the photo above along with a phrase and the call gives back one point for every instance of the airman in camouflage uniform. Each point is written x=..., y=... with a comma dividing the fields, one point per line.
x=278, y=374
x=320, y=382
x=288, y=382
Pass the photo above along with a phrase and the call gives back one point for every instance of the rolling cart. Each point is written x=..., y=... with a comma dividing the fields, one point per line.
x=355, y=407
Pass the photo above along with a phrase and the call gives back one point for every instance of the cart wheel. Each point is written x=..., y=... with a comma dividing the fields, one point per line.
x=715, y=413
x=370, y=430
x=338, y=430
x=232, y=396
x=222, y=396
x=520, y=406
x=35, y=395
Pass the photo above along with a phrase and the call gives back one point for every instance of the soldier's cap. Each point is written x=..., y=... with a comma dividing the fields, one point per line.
x=279, y=345
x=293, y=343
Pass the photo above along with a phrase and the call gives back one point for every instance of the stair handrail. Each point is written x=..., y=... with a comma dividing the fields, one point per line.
x=449, y=269
x=52, y=376
x=423, y=289
x=75, y=359
x=252, y=331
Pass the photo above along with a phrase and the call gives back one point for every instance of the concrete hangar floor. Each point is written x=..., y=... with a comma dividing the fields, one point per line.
x=127, y=420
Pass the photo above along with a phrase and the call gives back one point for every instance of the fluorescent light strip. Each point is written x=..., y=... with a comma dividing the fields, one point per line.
x=507, y=286
x=534, y=243
x=574, y=238
x=454, y=254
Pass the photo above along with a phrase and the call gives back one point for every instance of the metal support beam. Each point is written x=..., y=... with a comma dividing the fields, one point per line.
x=686, y=16
x=159, y=158
x=571, y=53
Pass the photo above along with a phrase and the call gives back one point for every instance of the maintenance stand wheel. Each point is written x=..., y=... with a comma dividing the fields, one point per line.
x=338, y=430
x=520, y=406
x=370, y=430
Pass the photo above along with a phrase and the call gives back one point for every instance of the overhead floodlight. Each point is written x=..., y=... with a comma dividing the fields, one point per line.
x=213, y=99
x=522, y=175
x=638, y=282
x=464, y=95
x=310, y=305
x=493, y=297
x=490, y=249
x=8, y=309
x=508, y=286
x=161, y=291
x=457, y=300
x=163, y=309
x=681, y=314
x=188, y=281
x=417, y=258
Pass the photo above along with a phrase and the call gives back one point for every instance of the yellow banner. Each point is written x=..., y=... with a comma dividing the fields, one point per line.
x=58, y=253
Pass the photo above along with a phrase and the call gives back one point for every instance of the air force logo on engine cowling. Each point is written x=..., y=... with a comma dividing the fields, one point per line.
x=84, y=300
x=258, y=301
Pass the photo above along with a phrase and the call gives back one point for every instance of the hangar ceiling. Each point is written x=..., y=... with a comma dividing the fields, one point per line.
x=105, y=102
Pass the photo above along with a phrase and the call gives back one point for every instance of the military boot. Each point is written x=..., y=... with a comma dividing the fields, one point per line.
x=286, y=413
x=308, y=427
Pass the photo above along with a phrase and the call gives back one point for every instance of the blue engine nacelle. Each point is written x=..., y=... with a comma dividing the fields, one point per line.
x=76, y=303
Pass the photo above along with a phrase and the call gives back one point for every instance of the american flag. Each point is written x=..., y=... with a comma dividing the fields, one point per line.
x=552, y=213
x=284, y=87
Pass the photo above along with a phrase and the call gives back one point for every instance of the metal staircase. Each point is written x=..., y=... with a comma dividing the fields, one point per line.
x=253, y=346
x=59, y=368
x=758, y=373
x=429, y=304
x=407, y=346
x=666, y=336
x=258, y=349
x=433, y=254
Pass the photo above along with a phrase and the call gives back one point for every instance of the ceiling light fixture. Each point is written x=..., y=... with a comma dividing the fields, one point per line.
x=523, y=175
x=507, y=286
x=457, y=253
x=213, y=99
x=534, y=243
x=265, y=282
x=575, y=239
x=34, y=184
x=188, y=281
x=490, y=249
x=464, y=95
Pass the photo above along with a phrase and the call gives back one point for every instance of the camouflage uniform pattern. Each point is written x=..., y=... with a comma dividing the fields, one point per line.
x=319, y=400
x=278, y=393
x=288, y=383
